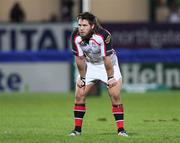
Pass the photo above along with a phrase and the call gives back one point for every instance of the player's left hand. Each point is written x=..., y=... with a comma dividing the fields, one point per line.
x=81, y=82
x=111, y=82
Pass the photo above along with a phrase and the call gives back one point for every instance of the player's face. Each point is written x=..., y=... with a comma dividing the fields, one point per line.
x=84, y=27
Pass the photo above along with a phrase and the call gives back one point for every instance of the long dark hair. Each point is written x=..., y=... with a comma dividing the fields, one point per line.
x=92, y=19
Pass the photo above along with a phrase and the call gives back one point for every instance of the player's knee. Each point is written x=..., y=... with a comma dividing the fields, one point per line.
x=115, y=97
x=80, y=97
x=114, y=94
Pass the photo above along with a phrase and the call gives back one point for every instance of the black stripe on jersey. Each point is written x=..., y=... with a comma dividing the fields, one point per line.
x=106, y=38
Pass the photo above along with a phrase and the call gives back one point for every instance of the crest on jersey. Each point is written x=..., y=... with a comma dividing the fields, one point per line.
x=108, y=39
x=82, y=43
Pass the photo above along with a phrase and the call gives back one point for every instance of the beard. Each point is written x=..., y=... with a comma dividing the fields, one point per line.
x=87, y=36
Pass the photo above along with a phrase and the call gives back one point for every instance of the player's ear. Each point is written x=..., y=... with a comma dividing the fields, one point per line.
x=93, y=26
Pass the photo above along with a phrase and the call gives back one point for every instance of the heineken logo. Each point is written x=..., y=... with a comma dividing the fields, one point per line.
x=162, y=74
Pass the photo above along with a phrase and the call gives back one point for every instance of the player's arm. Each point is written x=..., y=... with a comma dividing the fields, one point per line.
x=79, y=59
x=111, y=81
x=79, y=55
x=109, y=67
x=81, y=65
x=107, y=51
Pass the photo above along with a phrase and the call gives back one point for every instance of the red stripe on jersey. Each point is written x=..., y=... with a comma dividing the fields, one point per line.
x=76, y=45
x=95, y=41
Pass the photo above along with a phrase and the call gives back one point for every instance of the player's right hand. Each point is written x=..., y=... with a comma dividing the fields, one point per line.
x=111, y=82
x=81, y=82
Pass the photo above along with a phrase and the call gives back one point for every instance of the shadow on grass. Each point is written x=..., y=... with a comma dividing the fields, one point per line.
x=131, y=134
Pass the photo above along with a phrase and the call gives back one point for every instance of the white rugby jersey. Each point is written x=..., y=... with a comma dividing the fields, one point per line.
x=94, y=48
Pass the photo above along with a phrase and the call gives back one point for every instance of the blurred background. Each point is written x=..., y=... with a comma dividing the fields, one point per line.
x=35, y=49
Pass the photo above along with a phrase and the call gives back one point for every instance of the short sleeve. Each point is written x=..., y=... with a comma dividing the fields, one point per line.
x=106, y=47
x=76, y=50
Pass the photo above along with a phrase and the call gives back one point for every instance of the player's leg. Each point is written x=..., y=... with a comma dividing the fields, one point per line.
x=114, y=93
x=79, y=108
x=117, y=107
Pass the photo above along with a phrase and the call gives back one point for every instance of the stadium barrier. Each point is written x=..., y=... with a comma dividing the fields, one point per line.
x=149, y=58
x=45, y=71
x=150, y=69
x=34, y=36
x=56, y=36
x=144, y=35
x=54, y=70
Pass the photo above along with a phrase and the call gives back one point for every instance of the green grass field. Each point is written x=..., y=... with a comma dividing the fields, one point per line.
x=152, y=117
